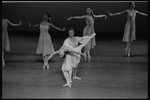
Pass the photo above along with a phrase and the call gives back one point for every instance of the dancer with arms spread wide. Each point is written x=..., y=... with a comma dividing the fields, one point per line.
x=45, y=45
x=89, y=29
x=129, y=32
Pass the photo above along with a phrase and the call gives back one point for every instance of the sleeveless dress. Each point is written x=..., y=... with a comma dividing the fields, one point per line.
x=44, y=45
x=5, y=37
x=129, y=32
x=88, y=30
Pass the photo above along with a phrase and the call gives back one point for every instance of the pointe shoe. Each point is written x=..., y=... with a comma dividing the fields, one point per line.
x=76, y=78
x=89, y=58
x=126, y=52
x=47, y=66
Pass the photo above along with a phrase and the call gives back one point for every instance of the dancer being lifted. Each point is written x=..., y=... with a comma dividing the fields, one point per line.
x=45, y=45
x=89, y=29
x=5, y=37
x=129, y=32
x=67, y=50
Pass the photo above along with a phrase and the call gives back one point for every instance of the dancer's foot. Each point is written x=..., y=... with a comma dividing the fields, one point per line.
x=70, y=81
x=46, y=65
x=89, y=58
x=126, y=51
x=67, y=85
x=76, y=78
x=129, y=53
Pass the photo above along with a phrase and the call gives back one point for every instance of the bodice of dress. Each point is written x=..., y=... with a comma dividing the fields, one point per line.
x=73, y=44
x=4, y=24
x=89, y=21
x=131, y=15
x=44, y=28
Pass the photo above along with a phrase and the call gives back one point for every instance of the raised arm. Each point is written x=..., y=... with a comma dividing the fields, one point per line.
x=141, y=13
x=77, y=17
x=99, y=16
x=57, y=27
x=13, y=23
x=118, y=13
x=33, y=25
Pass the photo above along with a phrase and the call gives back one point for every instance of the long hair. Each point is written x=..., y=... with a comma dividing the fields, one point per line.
x=49, y=19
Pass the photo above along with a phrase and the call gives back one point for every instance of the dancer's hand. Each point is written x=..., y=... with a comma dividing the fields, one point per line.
x=69, y=18
x=93, y=35
x=64, y=29
x=109, y=13
x=105, y=17
x=20, y=22
x=29, y=24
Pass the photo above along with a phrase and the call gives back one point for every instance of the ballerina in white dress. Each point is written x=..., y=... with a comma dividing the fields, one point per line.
x=89, y=29
x=66, y=50
x=5, y=36
x=129, y=32
x=45, y=45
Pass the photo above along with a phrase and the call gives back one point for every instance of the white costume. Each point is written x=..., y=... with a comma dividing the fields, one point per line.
x=72, y=59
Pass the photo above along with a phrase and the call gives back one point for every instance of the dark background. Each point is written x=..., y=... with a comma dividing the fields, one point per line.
x=111, y=28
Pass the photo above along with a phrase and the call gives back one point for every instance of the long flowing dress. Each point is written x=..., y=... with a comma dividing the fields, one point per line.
x=129, y=32
x=72, y=59
x=88, y=30
x=5, y=37
x=44, y=45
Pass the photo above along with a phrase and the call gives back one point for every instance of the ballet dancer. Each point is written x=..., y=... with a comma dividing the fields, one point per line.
x=5, y=37
x=67, y=50
x=129, y=32
x=45, y=45
x=89, y=29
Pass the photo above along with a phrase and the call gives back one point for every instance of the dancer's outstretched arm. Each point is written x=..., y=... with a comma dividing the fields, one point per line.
x=13, y=23
x=77, y=17
x=118, y=13
x=29, y=24
x=141, y=13
x=99, y=16
x=57, y=27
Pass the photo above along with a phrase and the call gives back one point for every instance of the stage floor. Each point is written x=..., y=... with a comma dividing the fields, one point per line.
x=110, y=74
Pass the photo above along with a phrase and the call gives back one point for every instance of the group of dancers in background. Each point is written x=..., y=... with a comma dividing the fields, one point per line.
x=71, y=50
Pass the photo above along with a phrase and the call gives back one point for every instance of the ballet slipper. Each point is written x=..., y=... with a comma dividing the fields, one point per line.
x=129, y=52
x=67, y=85
x=47, y=66
x=76, y=78
x=126, y=51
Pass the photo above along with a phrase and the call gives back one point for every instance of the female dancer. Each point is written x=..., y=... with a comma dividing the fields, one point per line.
x=5, y=37
x=89, y=29
x=129, y=32
x=45, y=46
x=67, y=50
